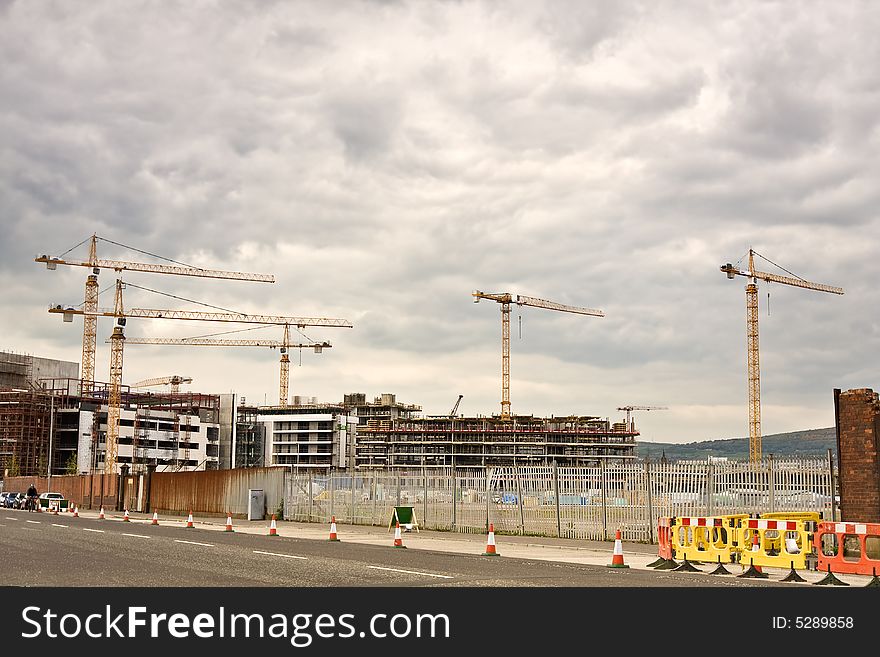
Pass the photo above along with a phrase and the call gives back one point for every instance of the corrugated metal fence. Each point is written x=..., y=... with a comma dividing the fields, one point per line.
x=588, y=503
x=216, y=491
x=86, y=491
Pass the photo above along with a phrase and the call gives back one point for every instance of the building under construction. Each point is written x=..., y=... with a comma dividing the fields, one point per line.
x=26, y=409
x=442, y=442
x=55, y=427
x=386, y=434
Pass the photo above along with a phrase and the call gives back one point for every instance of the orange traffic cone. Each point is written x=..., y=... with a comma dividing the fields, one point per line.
x=229, y=522
x=155, y=520
x=101, y=514
x=617, y=558
x=273, y=530
x=76, y=512
x=398, y=541
x=125, y=517
x=189, y=520
x=490, y=543
x=55, y=510
x=333, y=536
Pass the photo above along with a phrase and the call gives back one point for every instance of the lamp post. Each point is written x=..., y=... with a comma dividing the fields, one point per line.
x=51, y=428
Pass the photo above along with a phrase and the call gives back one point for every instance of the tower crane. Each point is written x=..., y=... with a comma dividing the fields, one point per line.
x=175, y=380
x=505, y=299
x=630, y=424
x=90, y=304
x=117, y=341
x=284, y=345
x=753, y=356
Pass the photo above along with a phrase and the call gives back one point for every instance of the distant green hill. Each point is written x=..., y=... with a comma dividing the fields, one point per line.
x=812, y=442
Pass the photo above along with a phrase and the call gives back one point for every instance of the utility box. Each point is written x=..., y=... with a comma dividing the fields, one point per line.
x=256, y=504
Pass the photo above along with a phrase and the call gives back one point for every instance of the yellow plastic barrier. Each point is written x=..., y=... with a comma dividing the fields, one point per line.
x=708, y=539
x=777, y=542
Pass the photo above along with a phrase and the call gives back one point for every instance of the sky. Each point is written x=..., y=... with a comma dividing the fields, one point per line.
x=385, y=159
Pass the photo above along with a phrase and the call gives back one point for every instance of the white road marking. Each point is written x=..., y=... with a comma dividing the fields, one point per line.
x=65, y=526
x=275, y=554
x=97, y=531
x=33, y=522
x=135, y=535
x=8, y=518
x=411, y=572
x=193, y=543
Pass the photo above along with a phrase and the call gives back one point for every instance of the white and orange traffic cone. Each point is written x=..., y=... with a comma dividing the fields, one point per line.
x=155, y=520
x=617, y=557
x=55, y=510
x=398, y=541
x=333, y=536
x=125, y=517
x=490, y=543
x=229, y=522
x=101, y=514
x=189, y=520
x=273, y=530
x=76, y=512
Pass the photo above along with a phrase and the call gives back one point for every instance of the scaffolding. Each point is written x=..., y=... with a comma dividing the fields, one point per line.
x=24, y=432
x=24, y=423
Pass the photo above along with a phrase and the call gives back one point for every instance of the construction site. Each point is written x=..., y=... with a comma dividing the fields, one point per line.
x=57, y=418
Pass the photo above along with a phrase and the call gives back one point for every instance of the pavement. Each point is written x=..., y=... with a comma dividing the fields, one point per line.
x=599, y=553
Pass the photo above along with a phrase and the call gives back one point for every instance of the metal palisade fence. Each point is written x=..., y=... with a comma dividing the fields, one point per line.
x=585, y=503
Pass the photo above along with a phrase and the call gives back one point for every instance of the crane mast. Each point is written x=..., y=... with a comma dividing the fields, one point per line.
x=753, y=356
x=505, y=299
x=90, y=322
x=117, y=342
x=284, y=374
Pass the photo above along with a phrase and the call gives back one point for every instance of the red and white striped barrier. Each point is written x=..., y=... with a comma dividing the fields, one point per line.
x=700, y=522
x=779, y=525
x=847, y=552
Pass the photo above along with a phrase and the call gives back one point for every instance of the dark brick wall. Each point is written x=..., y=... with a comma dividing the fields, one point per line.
x=858, y=421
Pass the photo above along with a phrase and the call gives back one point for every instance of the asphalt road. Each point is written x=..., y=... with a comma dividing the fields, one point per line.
x=47, y=550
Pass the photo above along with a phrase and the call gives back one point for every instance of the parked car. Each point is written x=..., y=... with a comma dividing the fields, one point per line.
x=14, y=500
x=52, y=500
x=4, y=496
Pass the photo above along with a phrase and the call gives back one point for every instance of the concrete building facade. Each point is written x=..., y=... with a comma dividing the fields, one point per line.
x=313, y=437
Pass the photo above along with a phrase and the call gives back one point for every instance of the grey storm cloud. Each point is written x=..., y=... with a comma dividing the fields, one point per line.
x=384, y=159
